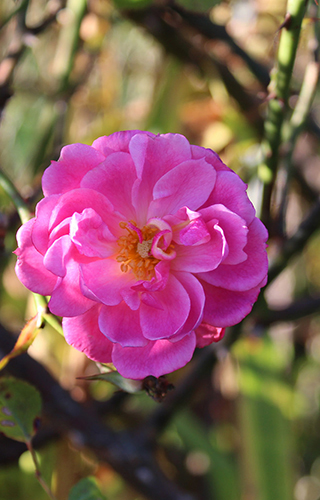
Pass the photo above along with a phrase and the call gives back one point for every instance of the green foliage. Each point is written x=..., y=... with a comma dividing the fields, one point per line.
x=20, y=407
x=86, y=489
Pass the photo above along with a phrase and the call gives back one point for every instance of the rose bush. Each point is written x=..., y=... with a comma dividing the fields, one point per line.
x=148, y=247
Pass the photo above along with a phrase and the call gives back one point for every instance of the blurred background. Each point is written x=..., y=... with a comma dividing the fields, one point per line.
x=74, y=70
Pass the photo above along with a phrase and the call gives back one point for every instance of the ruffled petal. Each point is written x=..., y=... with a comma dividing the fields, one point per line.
x=122, y=325
x=234, y=229
x=67, y=298
x=166, y=311
x=249, y=273
x=189, y=183
x=225, y=307
x=56, y=257
x=114, y=178
x=91, y=235
x=83, y=333
x=66, y=174
x=156, y=358
x=230, y=191
x=205, y=257
x=29, y=267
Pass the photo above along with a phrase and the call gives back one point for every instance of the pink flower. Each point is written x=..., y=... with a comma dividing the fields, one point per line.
x=139, y=240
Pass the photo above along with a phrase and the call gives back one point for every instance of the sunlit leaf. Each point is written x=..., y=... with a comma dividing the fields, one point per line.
x=25, y=339
x=86, y=489
x=20, y=407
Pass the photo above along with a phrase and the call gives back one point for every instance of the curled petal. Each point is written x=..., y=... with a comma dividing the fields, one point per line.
x=156, y=358
x=91, y=235
x=247, y=274
x=207, y=334
x=40, y=231
x=197, y=300
x=83, y=333
x=29, y=268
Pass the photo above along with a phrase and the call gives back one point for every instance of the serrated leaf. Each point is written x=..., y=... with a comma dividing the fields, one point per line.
x=20, y=407
x=25, y=339
x=86, y=489
x=115, y=378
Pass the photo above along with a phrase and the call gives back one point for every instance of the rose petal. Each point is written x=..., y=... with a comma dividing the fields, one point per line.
x=114, y=178
x=249, y=273
x=207, y=334
x=230, y=191
x=190, y=184
x=154, y=157
x=210, y=157
x=156, y=359
x=119, y=141
x=83, y=333
x=225, y=307
x=66, y=173
x=29, y=267
x=205, y=257
x=67, y=298
x=122, y=325
x=234, y=229
x=197, y=300
x=172, y=311
x=40, y=232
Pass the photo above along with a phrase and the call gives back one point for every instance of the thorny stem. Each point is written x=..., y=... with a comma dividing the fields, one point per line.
x=290, y=32
x=38, y=472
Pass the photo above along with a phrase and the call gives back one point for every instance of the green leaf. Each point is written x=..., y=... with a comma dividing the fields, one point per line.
x=20, y=407
x=112, y=376
x=86, y=489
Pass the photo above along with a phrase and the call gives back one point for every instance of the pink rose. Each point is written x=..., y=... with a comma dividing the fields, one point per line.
x=139, y=240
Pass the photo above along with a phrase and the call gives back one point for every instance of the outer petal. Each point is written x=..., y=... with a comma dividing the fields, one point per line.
x=157, y=358
x=249, y=273
x=189, y=183
x=114, y=178
x=57, y=255
x=83, y=333
x=226, y=308
x=230, y=191
x=106, y=281
x=167, y=311
x=29, y=268
x=210, y=156
x=67, y=299
x=40, y=232
x=153, y=157
x=207, y=334
x=119, y=141
x=66, y=174
x=122, y=325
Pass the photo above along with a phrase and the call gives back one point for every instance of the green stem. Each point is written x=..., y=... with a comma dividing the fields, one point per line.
x=290, y=33
x=38, y=472
x=68, y=41
x=42, y=308
x=12, y=192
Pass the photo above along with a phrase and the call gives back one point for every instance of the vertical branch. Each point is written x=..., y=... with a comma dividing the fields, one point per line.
x=290, y=32
x=38, y=472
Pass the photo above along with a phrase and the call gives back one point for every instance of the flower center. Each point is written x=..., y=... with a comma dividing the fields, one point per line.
x=135, y=250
